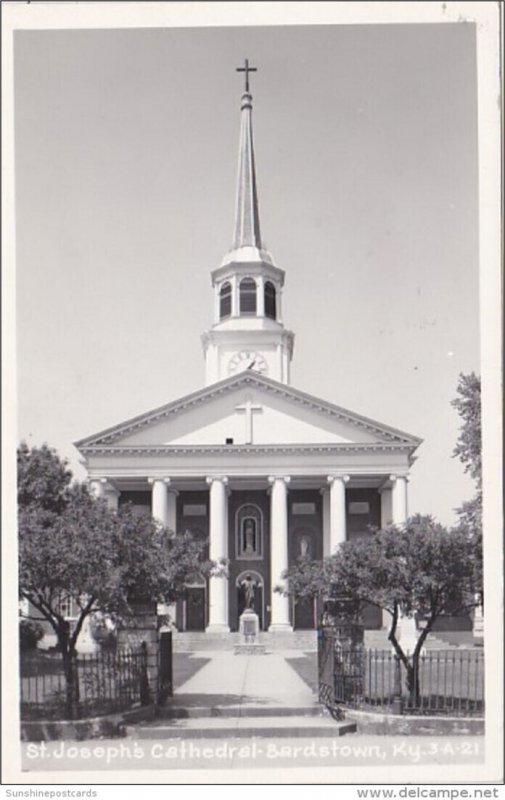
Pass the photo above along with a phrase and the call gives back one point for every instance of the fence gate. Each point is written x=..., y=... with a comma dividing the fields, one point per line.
x=341, y=656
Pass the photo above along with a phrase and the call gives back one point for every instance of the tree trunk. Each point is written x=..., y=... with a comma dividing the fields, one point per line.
x=412, y=681
x=70, y=671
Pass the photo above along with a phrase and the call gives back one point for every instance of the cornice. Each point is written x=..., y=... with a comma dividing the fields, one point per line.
x=244, y=450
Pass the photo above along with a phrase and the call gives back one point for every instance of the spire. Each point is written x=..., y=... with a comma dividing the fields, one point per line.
x=247, y=223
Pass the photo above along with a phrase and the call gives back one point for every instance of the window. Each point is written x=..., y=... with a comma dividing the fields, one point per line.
x=225, y=300
x=249, y=532
x=65, y=606
x=270, y=304
x=248, y=296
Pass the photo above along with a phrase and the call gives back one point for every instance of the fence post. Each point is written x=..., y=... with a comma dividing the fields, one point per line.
x=141, y=627
x=397, y=704
x=145, y=694
x=166, y=688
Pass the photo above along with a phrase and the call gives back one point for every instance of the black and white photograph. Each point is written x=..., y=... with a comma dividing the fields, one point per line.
x=252, y=343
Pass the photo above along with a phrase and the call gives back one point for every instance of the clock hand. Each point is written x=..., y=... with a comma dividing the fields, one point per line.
x=251, y=365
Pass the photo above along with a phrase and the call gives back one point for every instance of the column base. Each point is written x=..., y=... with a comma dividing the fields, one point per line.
x=217, y=628
x=280, y=627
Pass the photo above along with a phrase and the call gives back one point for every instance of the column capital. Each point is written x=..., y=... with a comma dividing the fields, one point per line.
x=220, y=478
x=343, y=478
x=394, y=478
x=160, y=479
x=285, y=478
x=104, y=483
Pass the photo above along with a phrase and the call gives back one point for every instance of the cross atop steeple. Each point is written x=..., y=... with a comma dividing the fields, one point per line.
x=247, y=223
x=247, y=69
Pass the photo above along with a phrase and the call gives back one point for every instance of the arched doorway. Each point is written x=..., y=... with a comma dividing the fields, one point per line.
x=258, y=599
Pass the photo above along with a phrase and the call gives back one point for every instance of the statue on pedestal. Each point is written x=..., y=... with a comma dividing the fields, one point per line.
x=248, y=586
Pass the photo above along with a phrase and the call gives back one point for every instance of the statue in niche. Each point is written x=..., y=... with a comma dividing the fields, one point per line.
x=249, y=537
x=248, y=585
x=304, y=546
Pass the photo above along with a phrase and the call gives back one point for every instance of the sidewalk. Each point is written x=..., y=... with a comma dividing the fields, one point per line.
x=266, y=680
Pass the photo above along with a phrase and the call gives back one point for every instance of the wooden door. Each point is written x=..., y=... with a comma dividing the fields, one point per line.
x=195, y=608
x=304, y=613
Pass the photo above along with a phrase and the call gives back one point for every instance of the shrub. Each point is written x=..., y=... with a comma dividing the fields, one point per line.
x=30, y=633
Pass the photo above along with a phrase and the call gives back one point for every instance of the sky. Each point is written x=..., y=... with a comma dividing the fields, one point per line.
x=126, y=147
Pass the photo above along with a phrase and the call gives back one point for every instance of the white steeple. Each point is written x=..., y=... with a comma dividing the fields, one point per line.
x=248, y=332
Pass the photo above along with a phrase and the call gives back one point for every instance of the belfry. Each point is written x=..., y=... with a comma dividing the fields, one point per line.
x=264, y=472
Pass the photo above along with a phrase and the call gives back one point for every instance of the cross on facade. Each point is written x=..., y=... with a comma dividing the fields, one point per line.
x=248, y=409
x=247, y=69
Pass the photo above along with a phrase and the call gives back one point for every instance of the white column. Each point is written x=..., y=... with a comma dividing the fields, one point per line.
x=218, y=549
x=407, y=630
x=234, y=296
x=280, y=363
x=217, y=302
x=278, y=303
x=279, y=620
x=285, y=365
x=97, y=487
x=103, y=489
x=399, y=499
x=159, y=499
x=386, y=496
x=112, y=497
x=260, y=296
x=337, y=510
x=326, y=521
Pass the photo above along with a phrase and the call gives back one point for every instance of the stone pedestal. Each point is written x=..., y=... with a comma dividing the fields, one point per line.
x=249, y=628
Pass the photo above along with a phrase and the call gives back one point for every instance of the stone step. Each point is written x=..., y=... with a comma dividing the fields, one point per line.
x=242, y=727
x=180, y=710
x=306, y=641
x=192, y=641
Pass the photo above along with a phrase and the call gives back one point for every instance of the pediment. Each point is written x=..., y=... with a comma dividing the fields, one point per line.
x=247, y=409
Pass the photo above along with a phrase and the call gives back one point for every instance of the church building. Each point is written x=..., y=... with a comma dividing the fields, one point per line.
x=263, y=471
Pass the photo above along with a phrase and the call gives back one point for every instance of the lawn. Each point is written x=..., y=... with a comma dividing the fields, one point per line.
x=450, y=681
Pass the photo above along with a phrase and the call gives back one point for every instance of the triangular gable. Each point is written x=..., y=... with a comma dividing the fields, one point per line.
x=219, y=412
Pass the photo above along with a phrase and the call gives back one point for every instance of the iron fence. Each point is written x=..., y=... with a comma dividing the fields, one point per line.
x=92, y=684
x=449, y=682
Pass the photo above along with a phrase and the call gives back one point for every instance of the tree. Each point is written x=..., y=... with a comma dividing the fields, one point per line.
x=73, y=548
x=469, y=444
x=418, y=568
x=469, y=451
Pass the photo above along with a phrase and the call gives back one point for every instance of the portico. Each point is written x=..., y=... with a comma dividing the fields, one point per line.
x=260, y=507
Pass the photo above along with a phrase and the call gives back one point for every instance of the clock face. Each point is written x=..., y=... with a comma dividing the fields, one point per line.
x=247, y=359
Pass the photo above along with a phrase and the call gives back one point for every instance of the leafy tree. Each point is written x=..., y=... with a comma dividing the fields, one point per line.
x=469, y=444
x=469, y=451
x=43, y=478
x=418, y=568
x=72, y=547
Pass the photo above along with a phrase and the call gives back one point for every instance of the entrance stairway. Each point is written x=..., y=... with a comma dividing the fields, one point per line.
x=242, y=696
x=194, y=641
x=306, y=641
